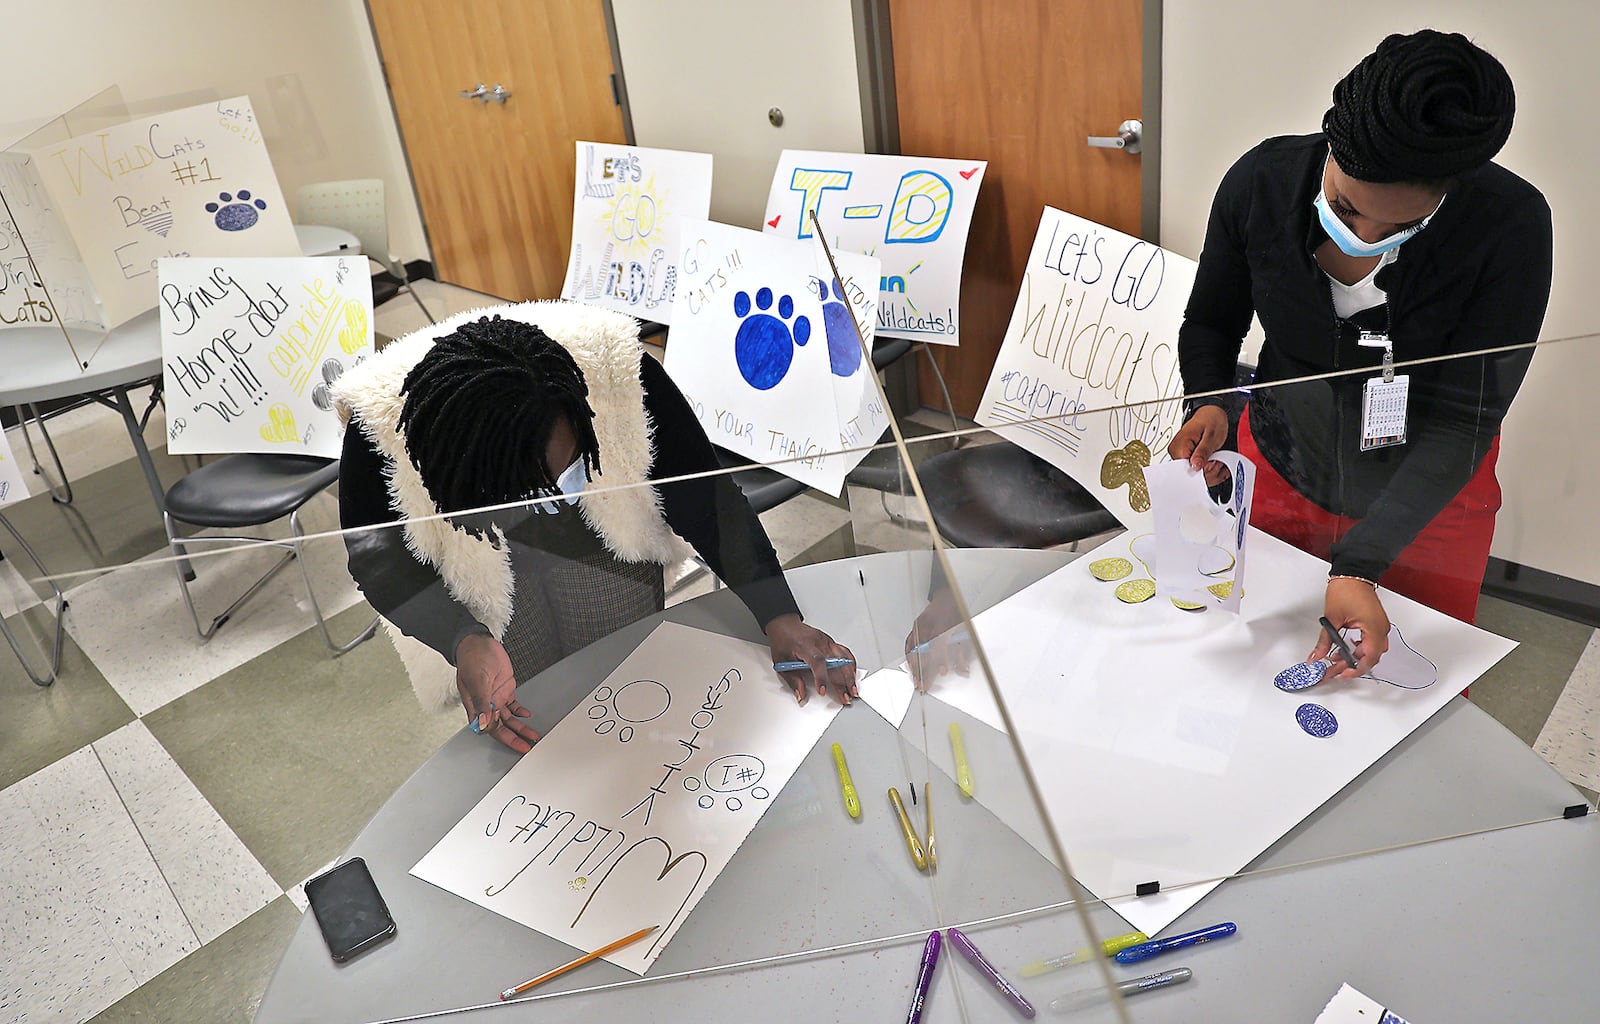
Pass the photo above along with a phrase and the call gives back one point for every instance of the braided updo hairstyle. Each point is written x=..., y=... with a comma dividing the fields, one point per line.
x=1421, y=108
x=479, y=408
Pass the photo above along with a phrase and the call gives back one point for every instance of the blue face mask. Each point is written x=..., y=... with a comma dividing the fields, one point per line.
x=1350, y=243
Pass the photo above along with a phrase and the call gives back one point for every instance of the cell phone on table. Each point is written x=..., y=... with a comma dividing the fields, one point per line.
x=349, y=909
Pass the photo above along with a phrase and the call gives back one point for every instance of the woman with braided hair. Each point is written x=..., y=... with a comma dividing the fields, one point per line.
x=551, y=401
x=1388, y=236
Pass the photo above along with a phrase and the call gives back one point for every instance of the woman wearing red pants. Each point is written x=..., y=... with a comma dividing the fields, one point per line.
x=1389, y=236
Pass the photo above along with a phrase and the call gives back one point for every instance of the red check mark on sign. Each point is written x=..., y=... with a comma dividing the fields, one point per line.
x=774, y=221
x=968, y=174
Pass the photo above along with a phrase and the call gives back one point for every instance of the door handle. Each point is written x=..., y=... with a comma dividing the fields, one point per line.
x=1126, y=139
x=479, y=92
x=499, y=94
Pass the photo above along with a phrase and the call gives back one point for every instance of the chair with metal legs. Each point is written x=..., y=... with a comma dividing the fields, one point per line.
x=48, y=676
x=240, y=491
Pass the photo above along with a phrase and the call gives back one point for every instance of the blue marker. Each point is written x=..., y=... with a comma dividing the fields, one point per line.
x=800, y=666
x=1146, y=950
x=959, y=636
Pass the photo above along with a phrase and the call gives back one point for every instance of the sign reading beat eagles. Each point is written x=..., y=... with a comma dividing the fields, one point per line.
x=1095, y=328
x=193, y=182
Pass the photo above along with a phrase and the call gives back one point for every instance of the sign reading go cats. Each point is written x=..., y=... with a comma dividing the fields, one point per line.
x=250, y=348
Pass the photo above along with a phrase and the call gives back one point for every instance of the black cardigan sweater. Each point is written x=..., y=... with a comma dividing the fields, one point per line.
x=1477, y=277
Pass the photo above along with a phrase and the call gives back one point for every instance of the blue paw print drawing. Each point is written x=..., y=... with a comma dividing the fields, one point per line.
x=844, y=350
x=235, y=212
x=764, y=346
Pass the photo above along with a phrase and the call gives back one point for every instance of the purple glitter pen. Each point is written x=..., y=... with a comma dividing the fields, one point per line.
x=965, y=947
x=930, y=960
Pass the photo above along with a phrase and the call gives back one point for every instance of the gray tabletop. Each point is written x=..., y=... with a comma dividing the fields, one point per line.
x=1491, y=926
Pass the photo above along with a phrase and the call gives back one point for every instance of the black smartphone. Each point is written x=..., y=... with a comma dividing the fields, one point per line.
x=349, y=909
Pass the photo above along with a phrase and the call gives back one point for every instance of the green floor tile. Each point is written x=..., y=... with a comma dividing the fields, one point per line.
x=39, y=725
x=297, y=750
x=1520, y=691
x=220, y=983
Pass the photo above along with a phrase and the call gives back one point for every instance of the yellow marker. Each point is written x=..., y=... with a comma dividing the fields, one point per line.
x=851, y=803
x=963, y=769
x=912, y=842
x=927, y=801
x=1110, y=947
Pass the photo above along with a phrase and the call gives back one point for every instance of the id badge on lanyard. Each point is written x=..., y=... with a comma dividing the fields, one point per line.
x=1383, y=405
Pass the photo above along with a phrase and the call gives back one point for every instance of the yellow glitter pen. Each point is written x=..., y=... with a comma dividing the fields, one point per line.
x=963, y=769
x=912, y=842
x=852, y=803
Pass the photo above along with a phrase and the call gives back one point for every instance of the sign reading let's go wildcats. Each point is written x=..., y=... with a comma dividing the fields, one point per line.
x=911, y=213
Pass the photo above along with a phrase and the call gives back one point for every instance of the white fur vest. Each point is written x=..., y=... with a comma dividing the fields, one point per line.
x=476, y=572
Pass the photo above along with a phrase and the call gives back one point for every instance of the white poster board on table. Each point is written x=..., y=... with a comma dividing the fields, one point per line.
x=911, y=212
x=763, y=347
x=1095, y=327
x=250, y=348
x=192, y=182
x=623, y=815
x=1162, y=749
x=626, y=209
x=44, y=282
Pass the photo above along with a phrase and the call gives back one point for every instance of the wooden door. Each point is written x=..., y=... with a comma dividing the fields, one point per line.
x=1021, y=84
x=495, y=181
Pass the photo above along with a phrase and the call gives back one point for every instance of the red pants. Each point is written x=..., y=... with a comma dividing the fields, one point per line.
x=1442, y=568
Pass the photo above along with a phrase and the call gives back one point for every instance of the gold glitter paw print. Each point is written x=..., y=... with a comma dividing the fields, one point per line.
x=1126, y=465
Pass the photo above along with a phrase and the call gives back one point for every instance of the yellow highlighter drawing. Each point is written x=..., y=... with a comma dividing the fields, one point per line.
x=912, y=842
x=1110, y=947
x=851, y=803
x=927, y=803
x=963, y=769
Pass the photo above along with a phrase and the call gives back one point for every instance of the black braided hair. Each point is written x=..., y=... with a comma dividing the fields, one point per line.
x=1423, y=108
x=479, y=408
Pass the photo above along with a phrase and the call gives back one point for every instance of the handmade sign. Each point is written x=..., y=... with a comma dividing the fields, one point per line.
x=1183, y=704
x=12, y=485
x=42, y=280
x=911, y=212
x=1351, y=1006
x=624, y=814
x=628, y=204
x=764, y=348
x=192, y=182
x=251, y=346
x=1095, y=328
x=1200, y=542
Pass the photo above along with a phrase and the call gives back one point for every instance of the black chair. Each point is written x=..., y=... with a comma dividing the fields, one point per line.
x=239, y=491
x=1002, y=496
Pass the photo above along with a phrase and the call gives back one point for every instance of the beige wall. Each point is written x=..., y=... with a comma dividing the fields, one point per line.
x=1238, y=71
x=309, y=67
x=705, y=81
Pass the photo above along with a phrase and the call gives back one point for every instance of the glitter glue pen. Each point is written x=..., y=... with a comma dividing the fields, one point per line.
x=965, y=947
x=930, y=960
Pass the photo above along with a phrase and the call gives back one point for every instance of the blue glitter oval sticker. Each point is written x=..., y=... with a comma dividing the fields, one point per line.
x=1301, y=676
x=1316, y=720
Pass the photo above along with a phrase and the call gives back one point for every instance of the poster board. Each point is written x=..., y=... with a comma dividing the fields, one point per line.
x=250, y=347
x=1176, y=711
x=42, y=280
x=764, y=350
x=911, y=212
x=1095, y=327
x=623, y=815
x=627, y=205
x=191, y=182
x=13, y=486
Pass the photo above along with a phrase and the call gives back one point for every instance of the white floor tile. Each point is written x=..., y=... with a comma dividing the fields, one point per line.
x=799, y=523
x=1570, y=739
x=133, y=625
x=82, y=901
x=217, y=880
x=88, y=439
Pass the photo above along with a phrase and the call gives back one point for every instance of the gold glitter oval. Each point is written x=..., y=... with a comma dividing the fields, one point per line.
x=1134, y=591
x=1109, y=569
x=1222, y=590
x=1188, y=606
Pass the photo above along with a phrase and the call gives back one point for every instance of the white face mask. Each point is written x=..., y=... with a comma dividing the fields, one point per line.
x=1349, y=242
x=569, y=484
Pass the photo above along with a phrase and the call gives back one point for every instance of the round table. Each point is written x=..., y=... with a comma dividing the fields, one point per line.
x=1442, y=931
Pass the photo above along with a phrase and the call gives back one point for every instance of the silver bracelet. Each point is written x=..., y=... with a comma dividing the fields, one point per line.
x=1362, y=579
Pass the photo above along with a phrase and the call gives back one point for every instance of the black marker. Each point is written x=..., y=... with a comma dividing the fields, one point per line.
x=1338, y=642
